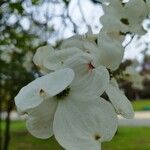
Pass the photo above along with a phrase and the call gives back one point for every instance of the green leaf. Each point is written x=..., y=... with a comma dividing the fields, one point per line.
x=16, y=6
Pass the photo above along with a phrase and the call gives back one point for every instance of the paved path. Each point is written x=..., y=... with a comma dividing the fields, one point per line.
x=14, y=116
x=142, y=118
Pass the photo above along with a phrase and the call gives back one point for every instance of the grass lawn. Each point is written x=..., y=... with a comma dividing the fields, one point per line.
x=140, y=104
x=127, y=138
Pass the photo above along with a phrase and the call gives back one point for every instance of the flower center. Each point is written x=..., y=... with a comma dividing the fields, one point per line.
x=42, y=93
x=90, y=66
x=63, y=94
x=97, y=137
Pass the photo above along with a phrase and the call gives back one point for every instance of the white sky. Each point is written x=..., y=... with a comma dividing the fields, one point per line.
x=135, y=48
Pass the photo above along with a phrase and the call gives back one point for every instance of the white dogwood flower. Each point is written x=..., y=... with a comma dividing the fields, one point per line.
x=120, y=102
x=121, y=18
x=77, y=119
x=84, y=65
x=66, y=101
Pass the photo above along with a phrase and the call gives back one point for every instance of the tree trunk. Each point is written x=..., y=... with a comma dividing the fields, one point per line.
x=0, y=123
x=7, y=127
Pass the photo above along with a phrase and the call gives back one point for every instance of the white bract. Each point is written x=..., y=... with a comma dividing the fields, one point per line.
x=111, y=51
x=104, y=50
x=83, y=124
x=41, y=54
x=55, y=106
x=148, y=4
x=41, y=88
x=87, y=43
x=120, y=102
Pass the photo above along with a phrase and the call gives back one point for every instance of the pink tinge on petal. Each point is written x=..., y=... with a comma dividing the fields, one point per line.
x=90, y=66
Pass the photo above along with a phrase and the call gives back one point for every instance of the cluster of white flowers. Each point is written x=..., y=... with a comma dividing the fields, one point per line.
x=67, y=100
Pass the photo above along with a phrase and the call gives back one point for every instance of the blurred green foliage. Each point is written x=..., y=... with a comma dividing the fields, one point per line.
x=139, y=105
x=15, y=42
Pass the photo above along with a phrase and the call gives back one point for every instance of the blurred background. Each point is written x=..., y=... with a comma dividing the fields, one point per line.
x=26, y=25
